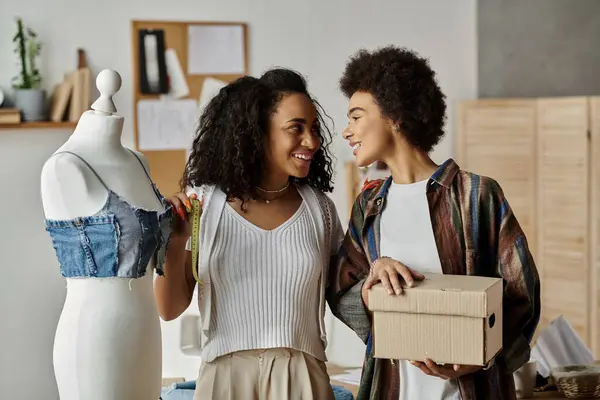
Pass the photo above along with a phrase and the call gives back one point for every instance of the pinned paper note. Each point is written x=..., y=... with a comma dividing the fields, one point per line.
x=210, y=87
x=166, y=124
x=216, y=49
x=178, y=86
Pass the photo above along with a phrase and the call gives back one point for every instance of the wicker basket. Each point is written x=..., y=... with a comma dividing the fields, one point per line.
x=577, y=381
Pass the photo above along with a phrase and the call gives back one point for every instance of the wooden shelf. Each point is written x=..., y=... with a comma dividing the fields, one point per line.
x=39, y=125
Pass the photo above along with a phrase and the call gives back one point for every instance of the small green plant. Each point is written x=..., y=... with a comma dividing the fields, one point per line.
x=28, y=49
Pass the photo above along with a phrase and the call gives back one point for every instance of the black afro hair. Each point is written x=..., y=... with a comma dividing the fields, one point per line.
x=405, y=88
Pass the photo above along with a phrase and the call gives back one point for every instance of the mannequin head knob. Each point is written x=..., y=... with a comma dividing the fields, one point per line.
x=108, y=83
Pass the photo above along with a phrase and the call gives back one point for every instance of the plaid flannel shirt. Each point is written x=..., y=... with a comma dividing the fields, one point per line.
x=476, y=233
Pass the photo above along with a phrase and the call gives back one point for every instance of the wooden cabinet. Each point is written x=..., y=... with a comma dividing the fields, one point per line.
x=497, y=138
x=545, y=153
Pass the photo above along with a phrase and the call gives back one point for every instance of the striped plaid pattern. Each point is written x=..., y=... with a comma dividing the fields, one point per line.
x=476, y=233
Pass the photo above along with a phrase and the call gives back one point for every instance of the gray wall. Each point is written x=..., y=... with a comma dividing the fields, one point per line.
x=530, y=48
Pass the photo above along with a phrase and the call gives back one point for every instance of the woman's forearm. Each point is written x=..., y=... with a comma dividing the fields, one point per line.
x=174, y=290
x=351, y=310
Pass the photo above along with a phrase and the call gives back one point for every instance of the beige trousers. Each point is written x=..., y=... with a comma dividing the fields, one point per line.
x=271, y=374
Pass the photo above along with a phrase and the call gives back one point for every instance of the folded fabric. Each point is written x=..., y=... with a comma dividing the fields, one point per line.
x=188, y=385
x=172, y=393
x=341, y=393
x=185, y=391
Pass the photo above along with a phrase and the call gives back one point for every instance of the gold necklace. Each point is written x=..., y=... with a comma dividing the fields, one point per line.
x=274, y=191
x=268, y=201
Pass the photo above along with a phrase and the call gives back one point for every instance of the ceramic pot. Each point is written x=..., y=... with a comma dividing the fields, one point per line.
x=32, y=103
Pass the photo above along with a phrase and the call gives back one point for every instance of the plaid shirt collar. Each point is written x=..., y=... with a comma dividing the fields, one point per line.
x=443, y=176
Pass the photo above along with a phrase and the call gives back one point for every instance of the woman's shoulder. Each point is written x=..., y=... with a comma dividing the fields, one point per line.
x=201, y=191
x=324, y=203
x=370, y=190
x=484, y=186
x=322, y=197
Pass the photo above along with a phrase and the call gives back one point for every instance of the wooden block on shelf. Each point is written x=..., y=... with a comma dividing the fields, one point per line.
x=60, y=100
x=80, y=94
x=10, y=116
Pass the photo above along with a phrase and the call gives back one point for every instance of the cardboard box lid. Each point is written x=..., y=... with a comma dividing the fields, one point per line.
x=462, y=295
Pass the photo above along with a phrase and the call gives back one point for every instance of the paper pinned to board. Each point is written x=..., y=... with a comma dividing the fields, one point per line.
x=166, y=124
x=559, y=345
x=210, y=87
x=178, y=86
x=216, y=49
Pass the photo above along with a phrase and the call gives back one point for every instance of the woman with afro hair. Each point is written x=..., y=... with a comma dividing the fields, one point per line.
x=261, y=167
x=424, y=218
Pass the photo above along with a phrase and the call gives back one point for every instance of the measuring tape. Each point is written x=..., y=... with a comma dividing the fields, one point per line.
x=196, y=213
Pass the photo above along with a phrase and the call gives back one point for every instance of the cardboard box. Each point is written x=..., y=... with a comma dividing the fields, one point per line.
x=452, y=319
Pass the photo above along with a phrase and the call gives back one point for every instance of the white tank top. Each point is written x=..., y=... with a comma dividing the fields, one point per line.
x=265, y=286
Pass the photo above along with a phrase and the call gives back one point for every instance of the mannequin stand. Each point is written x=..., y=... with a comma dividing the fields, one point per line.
x=108, y=339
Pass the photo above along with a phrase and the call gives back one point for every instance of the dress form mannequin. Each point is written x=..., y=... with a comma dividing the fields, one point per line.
x=108, y=339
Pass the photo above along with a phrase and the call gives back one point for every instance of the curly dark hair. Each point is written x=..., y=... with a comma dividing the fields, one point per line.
x=405, y=88
x=229, y=148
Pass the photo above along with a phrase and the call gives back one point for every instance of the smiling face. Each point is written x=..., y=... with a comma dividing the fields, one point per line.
x=370, y=134
x=292, y=139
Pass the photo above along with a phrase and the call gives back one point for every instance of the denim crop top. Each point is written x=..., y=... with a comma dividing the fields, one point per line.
x=117, y=241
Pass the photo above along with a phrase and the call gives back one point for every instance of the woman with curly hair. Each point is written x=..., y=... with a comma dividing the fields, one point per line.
x=424, y=218
x=261, y=166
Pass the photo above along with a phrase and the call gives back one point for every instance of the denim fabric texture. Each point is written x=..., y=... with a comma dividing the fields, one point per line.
x=117, y=241
x=185, y=391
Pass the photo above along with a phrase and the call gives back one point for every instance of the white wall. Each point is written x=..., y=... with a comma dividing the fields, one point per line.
x=31, y=289
x=312, y=36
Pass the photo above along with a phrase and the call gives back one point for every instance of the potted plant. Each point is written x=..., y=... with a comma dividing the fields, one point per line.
x=30, y=98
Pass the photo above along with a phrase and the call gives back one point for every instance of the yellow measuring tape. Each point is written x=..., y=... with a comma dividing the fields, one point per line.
x=196, y=213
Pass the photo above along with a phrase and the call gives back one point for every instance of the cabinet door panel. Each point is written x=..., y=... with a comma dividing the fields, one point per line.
x=496, y=138
x=594, y=107
x=563, y=213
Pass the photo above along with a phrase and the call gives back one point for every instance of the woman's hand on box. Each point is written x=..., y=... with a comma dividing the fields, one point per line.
x=446, y=371
x=389, y=272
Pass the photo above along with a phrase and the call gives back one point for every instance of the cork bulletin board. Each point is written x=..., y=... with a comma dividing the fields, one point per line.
x=167, y=165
